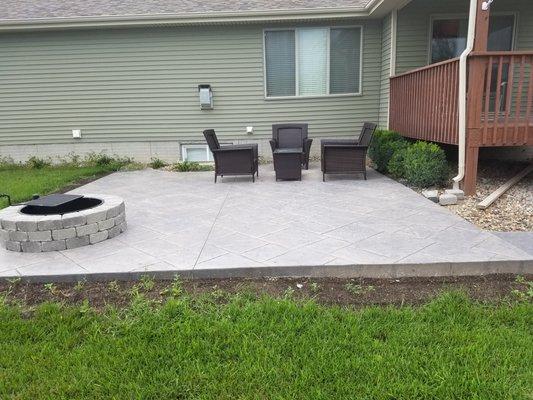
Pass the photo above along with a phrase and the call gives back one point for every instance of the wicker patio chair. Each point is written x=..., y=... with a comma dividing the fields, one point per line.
x=346, y=156
x=292, y=136
x=232, y=159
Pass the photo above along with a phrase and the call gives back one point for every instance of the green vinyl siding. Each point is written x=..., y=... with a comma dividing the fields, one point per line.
x=141, y=85
x=414, y=25
x=385, y=71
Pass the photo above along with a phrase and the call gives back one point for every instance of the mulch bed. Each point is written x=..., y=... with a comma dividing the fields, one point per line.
x=343, y=292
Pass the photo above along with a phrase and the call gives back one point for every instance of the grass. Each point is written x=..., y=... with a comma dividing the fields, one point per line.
x=267, y=348
x=21, y=182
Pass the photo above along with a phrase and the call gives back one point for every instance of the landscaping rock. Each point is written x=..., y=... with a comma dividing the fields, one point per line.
x=432, y=195
x=457, y=192
x=513, y=211
x=447, y=199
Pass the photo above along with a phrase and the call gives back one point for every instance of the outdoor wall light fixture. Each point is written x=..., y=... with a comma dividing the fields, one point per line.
x=206, y=97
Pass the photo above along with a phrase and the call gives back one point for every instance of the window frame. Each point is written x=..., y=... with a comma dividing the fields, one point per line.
x=186, y=146
x=440, y=17
x=328, y=56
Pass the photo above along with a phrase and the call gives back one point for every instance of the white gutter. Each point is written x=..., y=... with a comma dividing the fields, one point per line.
x=392, y=65
x=463, y=92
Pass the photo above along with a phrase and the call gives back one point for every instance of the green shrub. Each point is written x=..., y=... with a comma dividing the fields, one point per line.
x=382, y=148
x=186, y=166
x=7, y=162
x=425, y=164
x=157, y=163
x=112, y=163
x=396, y=165
x=38, y=163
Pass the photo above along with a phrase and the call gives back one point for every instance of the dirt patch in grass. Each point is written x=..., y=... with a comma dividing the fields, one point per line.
x=345, y=292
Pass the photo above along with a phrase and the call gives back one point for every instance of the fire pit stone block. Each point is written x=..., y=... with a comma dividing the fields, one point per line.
x=41, y=233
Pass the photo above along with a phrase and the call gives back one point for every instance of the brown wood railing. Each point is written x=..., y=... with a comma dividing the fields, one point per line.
x=505, y=104
x=423, y=102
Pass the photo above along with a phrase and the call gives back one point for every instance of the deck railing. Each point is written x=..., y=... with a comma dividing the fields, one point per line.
x=423, y=102
x=505, y=104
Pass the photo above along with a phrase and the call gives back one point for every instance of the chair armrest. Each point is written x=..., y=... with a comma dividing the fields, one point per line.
x=252, y=146
x=223, y=151
x=345, y=146
x=273, y=144
x=330, y=142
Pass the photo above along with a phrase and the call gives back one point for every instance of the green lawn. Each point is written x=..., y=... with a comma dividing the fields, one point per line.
x=451, y=348
x=22, y=182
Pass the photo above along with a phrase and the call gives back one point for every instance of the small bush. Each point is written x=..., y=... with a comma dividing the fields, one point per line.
x=382, y=148
x=186, y=166
x=425, y=164
x=113, y=163
x=7, y=162
x=396, y=166
x=38, y=163
x=157, y=163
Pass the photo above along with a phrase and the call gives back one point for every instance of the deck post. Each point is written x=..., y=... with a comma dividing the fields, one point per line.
x=482, y=28
x=470, y=180
x=477, y=69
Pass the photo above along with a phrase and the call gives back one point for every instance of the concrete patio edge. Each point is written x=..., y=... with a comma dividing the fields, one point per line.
x=383, y=271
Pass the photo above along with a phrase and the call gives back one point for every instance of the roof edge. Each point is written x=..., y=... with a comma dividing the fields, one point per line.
x=184, y=19
x=374, y=9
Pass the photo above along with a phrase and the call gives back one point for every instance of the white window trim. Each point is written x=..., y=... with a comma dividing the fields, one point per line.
x=439, y=17
x=297, y=96
x=185, y=147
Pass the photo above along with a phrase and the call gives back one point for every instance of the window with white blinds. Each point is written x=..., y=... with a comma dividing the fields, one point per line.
x=313, y=61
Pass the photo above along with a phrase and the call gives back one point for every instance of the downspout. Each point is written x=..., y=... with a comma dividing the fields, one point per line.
x=463, y=65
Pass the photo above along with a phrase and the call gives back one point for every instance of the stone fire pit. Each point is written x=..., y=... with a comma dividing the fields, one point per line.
x=35, y=228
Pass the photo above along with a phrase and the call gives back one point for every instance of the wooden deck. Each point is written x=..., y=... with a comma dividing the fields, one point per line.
x=424, y=102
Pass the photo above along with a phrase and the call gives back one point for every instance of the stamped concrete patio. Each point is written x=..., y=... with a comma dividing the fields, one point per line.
x=183, y=222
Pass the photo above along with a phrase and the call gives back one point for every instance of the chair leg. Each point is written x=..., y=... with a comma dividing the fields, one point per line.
x=323, y=177
x=215, y=177
x=364, y=173
x=253, y=177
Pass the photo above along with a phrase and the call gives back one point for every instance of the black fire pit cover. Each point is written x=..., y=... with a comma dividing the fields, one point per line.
x=54, y=200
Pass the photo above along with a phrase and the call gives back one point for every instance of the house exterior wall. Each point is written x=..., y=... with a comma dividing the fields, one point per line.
x=386, y=48
x=134, y=91
x=414, y=24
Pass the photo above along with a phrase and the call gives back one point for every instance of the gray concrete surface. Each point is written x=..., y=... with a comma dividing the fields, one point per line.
x=184, y=223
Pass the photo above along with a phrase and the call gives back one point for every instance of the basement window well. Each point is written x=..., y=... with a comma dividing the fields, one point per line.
x=196, y=153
